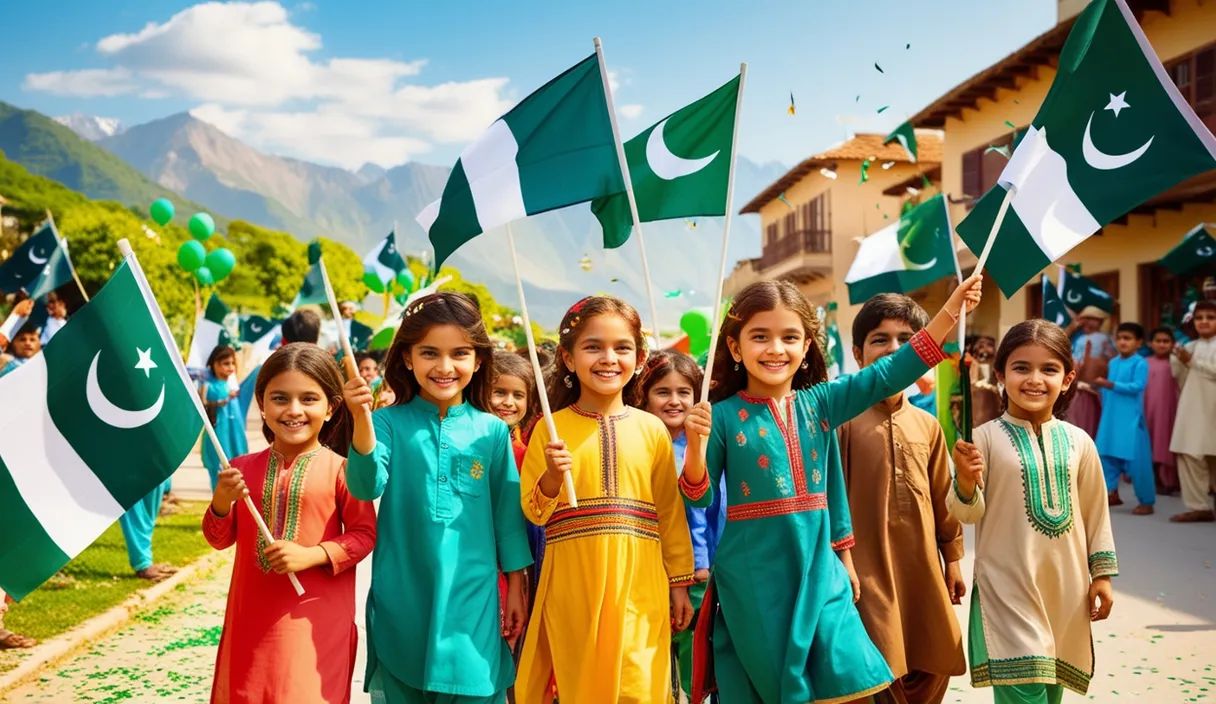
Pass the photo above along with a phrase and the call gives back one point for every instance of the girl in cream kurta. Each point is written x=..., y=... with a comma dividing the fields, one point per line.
x=1042, y=534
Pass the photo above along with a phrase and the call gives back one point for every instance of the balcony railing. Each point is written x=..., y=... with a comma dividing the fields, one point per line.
x=795, y=244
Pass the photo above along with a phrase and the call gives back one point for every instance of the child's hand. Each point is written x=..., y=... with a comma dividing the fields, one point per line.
x=1102, y=383
x=968, y=293
x=968, y=466
x=229, y=488
x=357, y=394
x=681, y=608
x=24, y=308
x=699, y=421
x=558, y=459
x=1182, y=355
x=233, y=393
x=515, y=610
x=955, y=586
x=1101, y=599
x=700, y=576
x=286, y=557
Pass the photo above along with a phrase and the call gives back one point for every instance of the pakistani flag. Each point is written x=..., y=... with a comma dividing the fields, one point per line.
x=39, y=265
x=1078, y=293
x=360, y=336
x=1053, y=306
x=313, y=288
x=906, y=136
x=1112, y=133
x=262, y=333
x=678, y=167
x=209, y=333
x=107, y=413
x=384, y=262
x=833, y=348
x=554, y=149
x=906, y=255
x=1195, y=255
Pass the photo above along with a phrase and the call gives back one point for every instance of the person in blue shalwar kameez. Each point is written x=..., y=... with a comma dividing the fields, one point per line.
x=225, y=405
x=1123, y=442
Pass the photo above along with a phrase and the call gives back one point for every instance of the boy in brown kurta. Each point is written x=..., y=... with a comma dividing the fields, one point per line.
x=895, y=467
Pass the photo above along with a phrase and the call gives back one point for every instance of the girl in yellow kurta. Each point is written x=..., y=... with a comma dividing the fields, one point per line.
x=614, y=564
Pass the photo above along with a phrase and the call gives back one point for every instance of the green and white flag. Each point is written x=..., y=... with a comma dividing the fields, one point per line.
x=1195, y=255
x=262, y=333
x=1053, y=306
x=906, y=136
x=678, y=167
x=1079, y=293
x=209, y=332
x=360, y=336
x=39, y=264
x=552, y=150
x=106, y=414
x=313, y=288
x=906, y=255
x=1112, y=133
x=384, y=262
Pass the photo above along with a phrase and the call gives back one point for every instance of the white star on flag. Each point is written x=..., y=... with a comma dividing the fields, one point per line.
x=145, y=362
x=1117, y=103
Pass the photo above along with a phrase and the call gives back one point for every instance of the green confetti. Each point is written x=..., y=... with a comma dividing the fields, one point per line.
x=865, y=171
x=783, y=200
x=907, y=46
x=878, y=67
x=857, y=99
x=1011, y=125
x=883, y=109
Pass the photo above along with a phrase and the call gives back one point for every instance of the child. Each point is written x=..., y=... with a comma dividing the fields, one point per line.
x=57, y=317
x=369, y=369
x=786, y=628
x=1160, y=407
x=897, y=475
x=1122, y=438
x=224, y=410
x=616, y=564
x=25, y=345
x=449, y=513
x=513, y=398
x=1043, y=548
x=1091, y=350
x=276, y=646
x=1194, y=442
x=668, y=388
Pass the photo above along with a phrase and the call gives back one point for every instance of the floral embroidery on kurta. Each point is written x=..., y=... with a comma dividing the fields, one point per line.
x=763, y=461
x=281, y=502
x=741, y=439
x=745, y=489
x=742, y=414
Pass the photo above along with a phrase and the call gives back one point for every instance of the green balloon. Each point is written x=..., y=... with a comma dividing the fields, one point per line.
x=162, y=211
x=191, y=255
x=221, y=262
x=202, y=226
x=405, y=279
x=372, y=281
x=696, y=324
x=203, y=274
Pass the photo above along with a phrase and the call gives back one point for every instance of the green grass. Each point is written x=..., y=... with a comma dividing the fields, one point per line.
x=104, y=578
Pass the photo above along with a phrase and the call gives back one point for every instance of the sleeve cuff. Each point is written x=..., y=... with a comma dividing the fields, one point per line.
x=514, y=553
x=929, y=351
x=541, y=507
x=952, y=550
x=694, y=492
x=339, y=558
x=684, y=580
x=845, y=543
x=1103, y=564
x=975, y=496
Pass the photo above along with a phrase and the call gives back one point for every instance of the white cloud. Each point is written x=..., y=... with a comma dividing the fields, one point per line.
x=88, y=83
x=630, y=112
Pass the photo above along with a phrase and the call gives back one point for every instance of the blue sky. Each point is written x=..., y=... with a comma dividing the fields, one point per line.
x=349, y=81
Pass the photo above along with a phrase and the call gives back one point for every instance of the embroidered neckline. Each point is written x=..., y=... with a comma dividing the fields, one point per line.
x=1047, y=490
x=598, y=416
x=281, y=503
x=763, y=400
x=607, y=437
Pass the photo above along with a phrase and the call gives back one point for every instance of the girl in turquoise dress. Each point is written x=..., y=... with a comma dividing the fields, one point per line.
x=786, y=630
x=226, y=409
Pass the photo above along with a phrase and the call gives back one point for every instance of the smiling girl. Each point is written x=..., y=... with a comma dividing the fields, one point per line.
x=222, y=400
x=276, y=646
x=617, y=566
x=1044, y=554
x=450, y=513
x=786, y=629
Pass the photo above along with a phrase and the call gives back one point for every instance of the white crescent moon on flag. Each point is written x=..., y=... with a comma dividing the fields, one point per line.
x=1205, y=251
x=36, y=260
x=1108, y=162
x=1072, y=297
x=113, y=415
x=908, y=261
x=666, y=165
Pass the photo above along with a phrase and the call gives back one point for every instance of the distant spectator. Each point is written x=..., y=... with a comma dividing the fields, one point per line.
x=26, y=344
x=57, y=312
x=302, y=326
x=21, y=309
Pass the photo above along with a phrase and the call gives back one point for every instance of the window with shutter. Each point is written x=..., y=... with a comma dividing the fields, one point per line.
x=770, y=234
x=972, y=184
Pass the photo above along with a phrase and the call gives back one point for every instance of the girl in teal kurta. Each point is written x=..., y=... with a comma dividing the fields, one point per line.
x=450, y=515
x=787, y=630
x=227, y=407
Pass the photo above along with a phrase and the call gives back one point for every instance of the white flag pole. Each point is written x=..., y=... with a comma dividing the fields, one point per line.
x=124, y=248
x=633, y=203
x=958, y=272
x=1010, y=191
x=567, y=480
x=64, y=249
x=730, y=193
x=348, y=356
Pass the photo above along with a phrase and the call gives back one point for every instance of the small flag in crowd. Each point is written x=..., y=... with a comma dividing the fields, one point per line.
x=554, y=149
x=906, y=136
x=384, y=262
x=209, y=332
x=906, y=255
x=313, y=288
x=1112, y=133
x=263, y=334
x=833, y=348
x=107, y=414
x=39, y=265
x=1078, y=293
x=678, y=167
x=360, y=336
x=1053, y=306
x=1195, y=255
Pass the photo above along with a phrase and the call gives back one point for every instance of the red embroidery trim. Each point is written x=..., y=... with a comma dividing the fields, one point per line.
x=602, y=516
x=844, y=543
x=694, y=491
x=777, y=507
x=763, y=461
x=929, y=351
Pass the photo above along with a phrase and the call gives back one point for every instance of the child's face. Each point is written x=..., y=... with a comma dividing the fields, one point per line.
x=1205, y=323
x=57, y=309
x=771, y=346
x=224, y=368
x=296, y=407
x=1034, y=378
x=509, y=399
x=1127, y=343
x=605, y=355
x=369, y=370
x=1089, y=325
x=671, y=398
x=983, y=349
x=26, y=345
x=1162, y=345
x=443, y=362
x=883, y=340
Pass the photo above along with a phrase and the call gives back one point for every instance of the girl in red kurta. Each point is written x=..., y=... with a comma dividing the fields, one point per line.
x=276, y=646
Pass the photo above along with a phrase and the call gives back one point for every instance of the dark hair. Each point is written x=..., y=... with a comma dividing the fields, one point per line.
x=887, y=306
x=53, y=297
x=361, y=357
x=378, y=355
x=1163, y=330
x=1205, y=304
x=28, y=328
x=659, y=365
x=1051, y=337
x=219, y=354
x=761, y=297
x=443, y=308
x=318, y=365
x=573, y=323
x=1136, y=329
x=508, y=364
x=301, y=326
x=543, y=355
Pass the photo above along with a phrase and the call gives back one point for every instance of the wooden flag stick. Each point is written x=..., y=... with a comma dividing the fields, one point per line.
x=124, y=248
x=567, y=480
x=59, y=243
x=348, y=357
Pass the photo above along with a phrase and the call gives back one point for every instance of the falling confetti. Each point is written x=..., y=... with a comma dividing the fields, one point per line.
x=925, y=180
x=887, y=165
x=690, y=224
x=883, y=109
x=783, y=200
x=913, y=191
x=865, y=171
x=828, y=173
x=791, y=108
x=673, y=294
x=1003, y=150
x=585, y=263
x=907, y=46
x=613, y=280
x=1016, y=101
x=857, y=99
x=1011, y=125
x=878, y=67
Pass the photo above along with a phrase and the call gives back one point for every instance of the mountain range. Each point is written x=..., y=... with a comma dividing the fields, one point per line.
x=202, y=164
